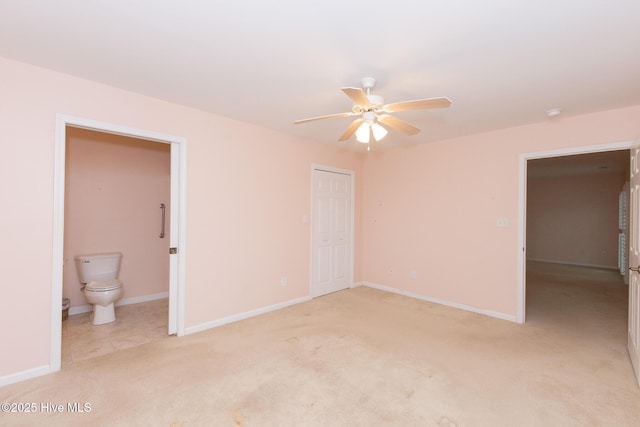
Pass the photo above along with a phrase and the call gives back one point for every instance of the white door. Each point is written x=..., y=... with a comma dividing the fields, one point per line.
x=634, y=263
x=174, y=219
x=331, y=237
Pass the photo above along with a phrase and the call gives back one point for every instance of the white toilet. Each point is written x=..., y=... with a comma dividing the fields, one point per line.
x=98, y=274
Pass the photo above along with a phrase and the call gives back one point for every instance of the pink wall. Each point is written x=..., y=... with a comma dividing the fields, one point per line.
x=247, y=191
x=114, y=187
x=433, y=208
x=574, y=219
x=428, y=208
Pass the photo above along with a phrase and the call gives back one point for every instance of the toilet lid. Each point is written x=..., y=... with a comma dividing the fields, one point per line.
x=104, y=285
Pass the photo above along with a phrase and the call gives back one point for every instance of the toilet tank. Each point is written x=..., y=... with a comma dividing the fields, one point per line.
x=102, y=266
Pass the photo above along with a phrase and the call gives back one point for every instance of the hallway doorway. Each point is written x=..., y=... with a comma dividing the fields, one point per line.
x=557, y=159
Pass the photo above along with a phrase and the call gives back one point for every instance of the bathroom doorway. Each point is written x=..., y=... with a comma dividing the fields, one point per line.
x=150, y=296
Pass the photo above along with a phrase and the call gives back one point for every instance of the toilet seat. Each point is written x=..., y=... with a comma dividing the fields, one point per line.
x=103, y=285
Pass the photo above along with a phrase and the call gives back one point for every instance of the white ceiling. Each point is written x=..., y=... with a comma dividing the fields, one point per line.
x=502, y=63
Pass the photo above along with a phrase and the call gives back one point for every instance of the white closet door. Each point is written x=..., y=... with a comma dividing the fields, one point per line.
x=331, y=246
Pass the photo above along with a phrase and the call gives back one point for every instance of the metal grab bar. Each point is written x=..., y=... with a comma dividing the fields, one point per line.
x=162, y=207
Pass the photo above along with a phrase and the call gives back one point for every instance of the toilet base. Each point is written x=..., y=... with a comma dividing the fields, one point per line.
x=104, y=314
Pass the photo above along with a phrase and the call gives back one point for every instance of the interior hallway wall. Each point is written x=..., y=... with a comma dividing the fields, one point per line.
x=574, y=219
x=114, y=187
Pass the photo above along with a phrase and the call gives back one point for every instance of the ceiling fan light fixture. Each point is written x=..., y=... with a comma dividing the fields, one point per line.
x=375, y=116
x=363, y=134
x=378, y=131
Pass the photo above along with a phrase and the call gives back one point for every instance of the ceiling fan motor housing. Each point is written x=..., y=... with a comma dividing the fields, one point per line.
x=369, y=117
x=376, y=100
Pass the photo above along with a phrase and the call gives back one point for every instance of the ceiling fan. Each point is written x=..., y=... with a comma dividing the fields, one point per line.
x=373, y=113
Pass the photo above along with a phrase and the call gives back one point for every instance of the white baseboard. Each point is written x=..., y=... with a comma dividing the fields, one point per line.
x=125, y=301
x=46, y=369
x=242, y=316
x=79, y=309
x=579, y=264
x=25, y=375
x=465, y=307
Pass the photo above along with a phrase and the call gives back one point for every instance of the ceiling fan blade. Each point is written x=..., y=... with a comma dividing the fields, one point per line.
x=330, y=116
x=357, y=95
x=398, y=124
x=350, y=130
x=418, y=104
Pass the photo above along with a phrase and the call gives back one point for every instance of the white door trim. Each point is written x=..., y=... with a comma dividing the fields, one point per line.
x=178, y=192
x=522, y=206
x=352, y=176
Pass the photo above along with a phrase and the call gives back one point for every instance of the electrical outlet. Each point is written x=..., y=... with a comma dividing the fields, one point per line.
x=414, y=275
x=284, y=281
x=502, y=222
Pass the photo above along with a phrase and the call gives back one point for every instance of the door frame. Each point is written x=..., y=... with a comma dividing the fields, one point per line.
x=522, y=206
x=351, y=174
x=177, y=218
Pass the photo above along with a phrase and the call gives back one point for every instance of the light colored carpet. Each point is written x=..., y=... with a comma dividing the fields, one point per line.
x=363, y=357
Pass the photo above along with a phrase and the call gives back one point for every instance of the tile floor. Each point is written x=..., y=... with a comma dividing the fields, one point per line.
x=135, y=324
